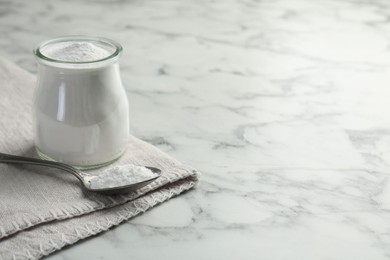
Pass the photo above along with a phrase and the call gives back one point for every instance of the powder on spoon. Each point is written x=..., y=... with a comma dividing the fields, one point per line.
x=75, y=51
x=120, y=176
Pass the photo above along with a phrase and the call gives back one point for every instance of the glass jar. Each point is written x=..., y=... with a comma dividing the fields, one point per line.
x=81, y=114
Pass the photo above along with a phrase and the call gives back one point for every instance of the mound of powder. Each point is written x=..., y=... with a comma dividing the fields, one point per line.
x=120, y=176
x=75, y=51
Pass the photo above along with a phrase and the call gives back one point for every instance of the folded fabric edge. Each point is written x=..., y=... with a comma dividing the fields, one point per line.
x=86, y=208
x=123, y=212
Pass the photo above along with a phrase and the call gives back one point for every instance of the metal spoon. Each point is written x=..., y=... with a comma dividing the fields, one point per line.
x=84, y=178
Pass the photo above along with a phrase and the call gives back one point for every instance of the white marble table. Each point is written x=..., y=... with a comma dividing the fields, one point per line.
x=283, y=105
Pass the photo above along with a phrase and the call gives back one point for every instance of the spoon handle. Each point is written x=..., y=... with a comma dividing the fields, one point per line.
x=9, y=158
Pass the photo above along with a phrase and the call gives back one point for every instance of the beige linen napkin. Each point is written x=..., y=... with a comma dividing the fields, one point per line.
x=38, y=205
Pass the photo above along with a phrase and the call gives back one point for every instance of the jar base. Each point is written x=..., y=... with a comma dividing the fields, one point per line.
x=44, y=156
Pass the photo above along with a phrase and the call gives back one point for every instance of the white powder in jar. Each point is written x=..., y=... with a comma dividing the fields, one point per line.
x=75, y=51
x=81, y=113
x=121, y=176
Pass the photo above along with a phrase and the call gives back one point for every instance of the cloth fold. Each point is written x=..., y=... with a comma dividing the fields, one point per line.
x=43, y=209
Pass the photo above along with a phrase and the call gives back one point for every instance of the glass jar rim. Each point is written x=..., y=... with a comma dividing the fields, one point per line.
x=103, y=41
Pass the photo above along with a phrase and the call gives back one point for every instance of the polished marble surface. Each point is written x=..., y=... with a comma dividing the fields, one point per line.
x=283, y=105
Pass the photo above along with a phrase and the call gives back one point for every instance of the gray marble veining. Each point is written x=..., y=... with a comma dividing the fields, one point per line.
x=282, y=104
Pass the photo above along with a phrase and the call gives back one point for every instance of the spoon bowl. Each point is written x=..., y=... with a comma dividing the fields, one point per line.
x=124, y=188
x=83, y=177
